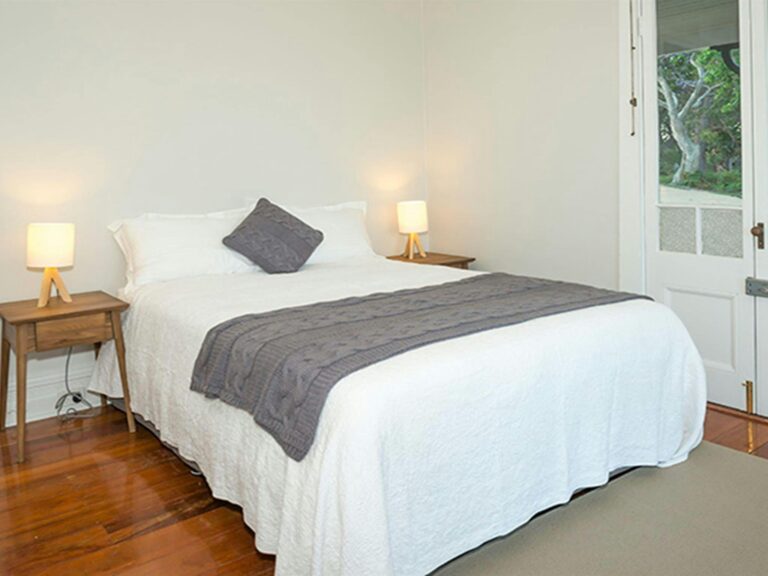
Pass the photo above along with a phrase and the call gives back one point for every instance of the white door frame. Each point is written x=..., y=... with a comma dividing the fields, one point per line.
x=760, y=129
x=632, y=260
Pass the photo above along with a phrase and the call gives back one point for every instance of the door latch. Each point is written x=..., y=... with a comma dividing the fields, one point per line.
x=758, y=231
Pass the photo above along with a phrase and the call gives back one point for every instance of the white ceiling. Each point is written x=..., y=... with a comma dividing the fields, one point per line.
x=691, y=24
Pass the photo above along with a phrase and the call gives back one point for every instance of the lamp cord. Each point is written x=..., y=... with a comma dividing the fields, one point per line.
x=71, y=413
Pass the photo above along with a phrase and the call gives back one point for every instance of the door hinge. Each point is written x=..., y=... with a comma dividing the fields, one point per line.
x=757, y=287
x=758, y=231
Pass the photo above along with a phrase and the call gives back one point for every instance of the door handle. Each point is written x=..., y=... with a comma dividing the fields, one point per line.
x=758, y=231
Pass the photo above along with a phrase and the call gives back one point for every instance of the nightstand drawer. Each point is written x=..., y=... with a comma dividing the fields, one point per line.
x=67, y=332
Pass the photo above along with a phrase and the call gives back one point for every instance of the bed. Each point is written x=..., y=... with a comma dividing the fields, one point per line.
x=424, y=456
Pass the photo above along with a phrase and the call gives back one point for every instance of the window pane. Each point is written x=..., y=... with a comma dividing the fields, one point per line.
x=699, y=102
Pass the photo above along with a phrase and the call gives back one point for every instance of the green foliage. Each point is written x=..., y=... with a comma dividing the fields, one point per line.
x=715, y=123
x=726, y=182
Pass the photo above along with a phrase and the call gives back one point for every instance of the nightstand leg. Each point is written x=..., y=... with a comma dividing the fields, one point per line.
x=5, y=361
x=96, y=350
x=21, y=391
x=117, y=332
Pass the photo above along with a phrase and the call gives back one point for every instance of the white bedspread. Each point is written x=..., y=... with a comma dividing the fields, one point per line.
x=429, y=454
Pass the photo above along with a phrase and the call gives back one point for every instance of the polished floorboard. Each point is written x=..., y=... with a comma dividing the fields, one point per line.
x=93, y=500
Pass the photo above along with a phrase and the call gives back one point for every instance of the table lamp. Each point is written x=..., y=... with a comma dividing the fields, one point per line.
x=412, y=220
x=51, y=246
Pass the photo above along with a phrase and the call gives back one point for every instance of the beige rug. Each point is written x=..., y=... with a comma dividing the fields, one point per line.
x=708, y=516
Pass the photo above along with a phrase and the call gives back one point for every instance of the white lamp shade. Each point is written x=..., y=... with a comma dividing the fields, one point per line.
x=412, y=217
x=50, y=245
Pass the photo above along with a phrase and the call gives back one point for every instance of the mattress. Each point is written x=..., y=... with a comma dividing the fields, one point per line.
x=429, y=454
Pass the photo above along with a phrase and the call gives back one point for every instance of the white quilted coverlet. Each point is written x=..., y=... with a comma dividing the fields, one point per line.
x=429, y=454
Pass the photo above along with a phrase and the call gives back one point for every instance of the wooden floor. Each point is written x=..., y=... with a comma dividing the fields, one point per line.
x=92, y=500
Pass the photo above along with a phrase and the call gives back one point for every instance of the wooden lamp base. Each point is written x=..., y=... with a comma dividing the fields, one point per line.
x=412, y=246
x=51, y=276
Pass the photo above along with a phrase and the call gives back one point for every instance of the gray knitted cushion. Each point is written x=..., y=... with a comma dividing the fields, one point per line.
x=274, y=239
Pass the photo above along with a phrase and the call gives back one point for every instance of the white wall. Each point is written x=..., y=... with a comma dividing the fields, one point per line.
x=522, y=135
x=111, y=109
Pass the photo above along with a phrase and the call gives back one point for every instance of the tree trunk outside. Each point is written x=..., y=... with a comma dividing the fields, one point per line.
x=690, y=150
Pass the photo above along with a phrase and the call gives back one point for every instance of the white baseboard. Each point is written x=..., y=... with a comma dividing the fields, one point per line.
x=44, y=391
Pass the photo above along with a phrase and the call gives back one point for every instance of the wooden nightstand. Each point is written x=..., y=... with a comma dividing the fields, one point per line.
x=437, y=259
x=91, y=318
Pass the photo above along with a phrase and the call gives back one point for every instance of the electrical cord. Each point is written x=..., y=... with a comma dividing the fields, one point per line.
x=72, y=413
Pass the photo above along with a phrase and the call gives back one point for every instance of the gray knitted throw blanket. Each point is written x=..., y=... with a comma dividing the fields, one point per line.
x=280, y=366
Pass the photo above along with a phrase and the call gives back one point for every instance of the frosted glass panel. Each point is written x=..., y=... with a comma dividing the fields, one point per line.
x=721, y=232
x=678, y=229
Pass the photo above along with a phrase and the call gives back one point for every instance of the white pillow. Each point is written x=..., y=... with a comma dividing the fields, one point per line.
x=160, y=247
x=343, y=228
